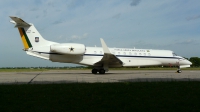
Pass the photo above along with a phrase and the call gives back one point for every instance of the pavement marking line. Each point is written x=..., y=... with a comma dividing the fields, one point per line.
x=34, y=78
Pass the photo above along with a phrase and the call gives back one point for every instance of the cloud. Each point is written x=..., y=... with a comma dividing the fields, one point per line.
x=34, y=9
x=58, y=22
x=60, y=37
x=77, y=37
x=135, y=2
x=50, y=4
x=85, y=35
x=37, y=16
x=188, y=42
x=70, y=5
x=142, y=44
x=45, y=13
x=193, y=17
x=117, y=16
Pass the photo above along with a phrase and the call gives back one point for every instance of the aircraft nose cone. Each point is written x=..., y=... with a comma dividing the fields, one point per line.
x=186, y=62
x=190, y=63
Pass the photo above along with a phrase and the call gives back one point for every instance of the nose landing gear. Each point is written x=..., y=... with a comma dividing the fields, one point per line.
x=179, y=70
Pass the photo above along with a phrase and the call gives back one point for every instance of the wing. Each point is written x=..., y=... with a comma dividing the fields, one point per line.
x=108, y=59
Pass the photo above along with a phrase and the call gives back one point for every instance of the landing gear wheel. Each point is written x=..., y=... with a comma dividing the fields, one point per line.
x=94, y=71
x=179, y=71
x=102, y=71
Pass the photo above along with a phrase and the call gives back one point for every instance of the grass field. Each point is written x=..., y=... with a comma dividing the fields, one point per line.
x=139, y=96
x=21, y=70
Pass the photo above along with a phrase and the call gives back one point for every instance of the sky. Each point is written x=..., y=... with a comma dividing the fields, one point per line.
x=143, y=24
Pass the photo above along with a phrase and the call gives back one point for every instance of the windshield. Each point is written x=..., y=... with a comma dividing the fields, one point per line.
x=174, y=54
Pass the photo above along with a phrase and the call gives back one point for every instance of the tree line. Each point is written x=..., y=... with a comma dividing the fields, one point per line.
x=195, y=61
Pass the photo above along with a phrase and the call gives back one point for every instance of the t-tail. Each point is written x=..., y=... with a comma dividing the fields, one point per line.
x=29, y=35
x=34, y=44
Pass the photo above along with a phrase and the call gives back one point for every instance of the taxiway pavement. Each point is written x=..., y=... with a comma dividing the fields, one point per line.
x=85, y=76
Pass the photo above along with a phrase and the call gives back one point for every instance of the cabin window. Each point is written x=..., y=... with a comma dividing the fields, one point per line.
x=95, y=52
x=140, y=54
x=118, y=53
x=130, y=53
x=144, y=54
x=135, y=54
x=124, y=53
x=149, y=54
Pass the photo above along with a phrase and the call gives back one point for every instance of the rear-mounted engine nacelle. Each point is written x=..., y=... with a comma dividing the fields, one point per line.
x=68, y=48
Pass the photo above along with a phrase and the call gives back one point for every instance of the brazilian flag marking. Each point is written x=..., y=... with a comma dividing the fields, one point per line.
x=25, y=40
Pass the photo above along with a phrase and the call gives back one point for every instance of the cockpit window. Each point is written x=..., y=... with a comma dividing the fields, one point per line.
x=174, y=54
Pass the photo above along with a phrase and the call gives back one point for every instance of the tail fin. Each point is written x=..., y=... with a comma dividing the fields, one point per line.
x=29, y=34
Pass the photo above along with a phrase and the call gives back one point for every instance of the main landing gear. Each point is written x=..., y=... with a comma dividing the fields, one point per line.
x=101, y=71
x=179, y=70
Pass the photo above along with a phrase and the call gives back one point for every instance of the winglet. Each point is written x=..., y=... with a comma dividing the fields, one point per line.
x=19, y=22
x=105, y=48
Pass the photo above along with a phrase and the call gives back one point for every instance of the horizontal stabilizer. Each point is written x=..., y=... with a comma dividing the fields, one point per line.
x=19, y=22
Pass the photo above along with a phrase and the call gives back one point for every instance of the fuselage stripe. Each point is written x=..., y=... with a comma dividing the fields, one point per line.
x=135, y=56
x=48, y=53
x=117, y=55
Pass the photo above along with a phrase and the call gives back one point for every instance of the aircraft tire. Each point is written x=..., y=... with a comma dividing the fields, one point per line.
x=94, y=71
x=102, y=71
x=179, y=71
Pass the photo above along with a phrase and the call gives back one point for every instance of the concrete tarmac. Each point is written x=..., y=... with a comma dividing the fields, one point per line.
x=85, y=76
